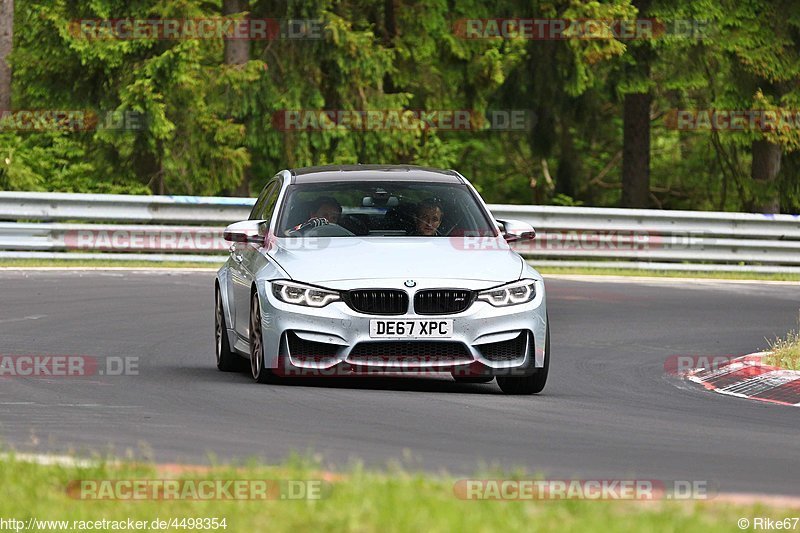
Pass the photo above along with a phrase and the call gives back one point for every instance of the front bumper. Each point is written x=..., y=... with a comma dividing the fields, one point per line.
x=335, y=339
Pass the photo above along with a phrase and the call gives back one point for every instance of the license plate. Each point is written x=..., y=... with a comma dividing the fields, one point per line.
x=411, y=329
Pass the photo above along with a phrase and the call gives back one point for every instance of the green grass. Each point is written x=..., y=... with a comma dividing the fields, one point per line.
x=785, y=352
x=104, y=263
x=356, y=499
x=667, y=273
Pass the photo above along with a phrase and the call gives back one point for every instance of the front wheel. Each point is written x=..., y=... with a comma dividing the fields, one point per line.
x=534, y=383
x=227, y=360
x=259, y=373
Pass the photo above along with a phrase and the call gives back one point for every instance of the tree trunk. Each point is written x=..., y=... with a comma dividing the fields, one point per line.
x=6, y=45
x=764, y=171
x=237, y=52
x=636, y=150
x=389, y=35
x=636, y=126
x=569, y=163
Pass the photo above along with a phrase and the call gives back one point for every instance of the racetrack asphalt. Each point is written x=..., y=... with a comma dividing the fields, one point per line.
x=608, y=411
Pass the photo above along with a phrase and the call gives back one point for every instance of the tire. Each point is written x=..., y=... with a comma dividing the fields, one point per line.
x=534, y=383
x=473, y=379
x=227, y=360
x=257, y=370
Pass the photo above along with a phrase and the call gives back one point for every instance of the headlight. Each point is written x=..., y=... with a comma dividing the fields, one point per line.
x=519, y=292
x=301, y=294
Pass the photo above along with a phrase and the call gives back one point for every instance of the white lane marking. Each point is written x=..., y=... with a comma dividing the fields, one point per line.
x=20, y=319
x=745, y=498
x=757, y=384
x=702, y=375
x=92, y=405
x=105, y=406
x=50, y=460
x=598, y=278
x=132, y=269
x=649, y=279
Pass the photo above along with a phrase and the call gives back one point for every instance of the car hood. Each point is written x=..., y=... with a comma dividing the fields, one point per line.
x=317, y=260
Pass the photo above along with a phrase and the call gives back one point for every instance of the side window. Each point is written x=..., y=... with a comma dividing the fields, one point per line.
x=258, y=208
x=270, y=201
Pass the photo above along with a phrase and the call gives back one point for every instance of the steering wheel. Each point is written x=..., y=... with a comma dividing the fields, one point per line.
x=452, y=225
x=328, y=230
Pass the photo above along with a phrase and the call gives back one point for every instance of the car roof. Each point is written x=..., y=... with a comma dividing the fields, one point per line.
x=339, y=173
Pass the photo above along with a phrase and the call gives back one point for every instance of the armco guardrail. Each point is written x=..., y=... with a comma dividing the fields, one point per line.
x=215, y=210
x=190, y=228
x=655, y=235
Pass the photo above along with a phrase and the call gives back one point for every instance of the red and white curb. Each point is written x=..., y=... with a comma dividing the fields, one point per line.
x=748, y=377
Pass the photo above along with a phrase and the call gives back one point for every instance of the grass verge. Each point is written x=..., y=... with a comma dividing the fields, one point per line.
x=785, y=352
x=103, y=263
x=760, y=276
x=355, y=499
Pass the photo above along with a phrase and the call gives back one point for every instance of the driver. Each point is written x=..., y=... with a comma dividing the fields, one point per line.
x=428, y=218
x=324, y=210
x=326, y=207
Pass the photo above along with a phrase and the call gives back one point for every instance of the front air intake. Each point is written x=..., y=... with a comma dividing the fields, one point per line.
x=442, y=301
x=378, y=301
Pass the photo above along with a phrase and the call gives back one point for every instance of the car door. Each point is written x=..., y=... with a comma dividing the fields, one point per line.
x=255, y=257
x=241, y=259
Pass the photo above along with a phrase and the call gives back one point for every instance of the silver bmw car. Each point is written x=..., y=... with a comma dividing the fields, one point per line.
x=354, y=270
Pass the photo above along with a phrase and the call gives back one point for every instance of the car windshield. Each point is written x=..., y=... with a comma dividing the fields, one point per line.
x=376, y=208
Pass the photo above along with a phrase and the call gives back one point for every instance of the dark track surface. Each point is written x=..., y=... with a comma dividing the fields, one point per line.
x=608, y=410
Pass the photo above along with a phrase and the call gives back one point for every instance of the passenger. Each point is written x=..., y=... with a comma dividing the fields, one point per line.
x=428, y=218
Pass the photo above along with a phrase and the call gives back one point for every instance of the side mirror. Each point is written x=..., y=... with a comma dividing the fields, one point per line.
x=516, y=230
x=245, y=231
